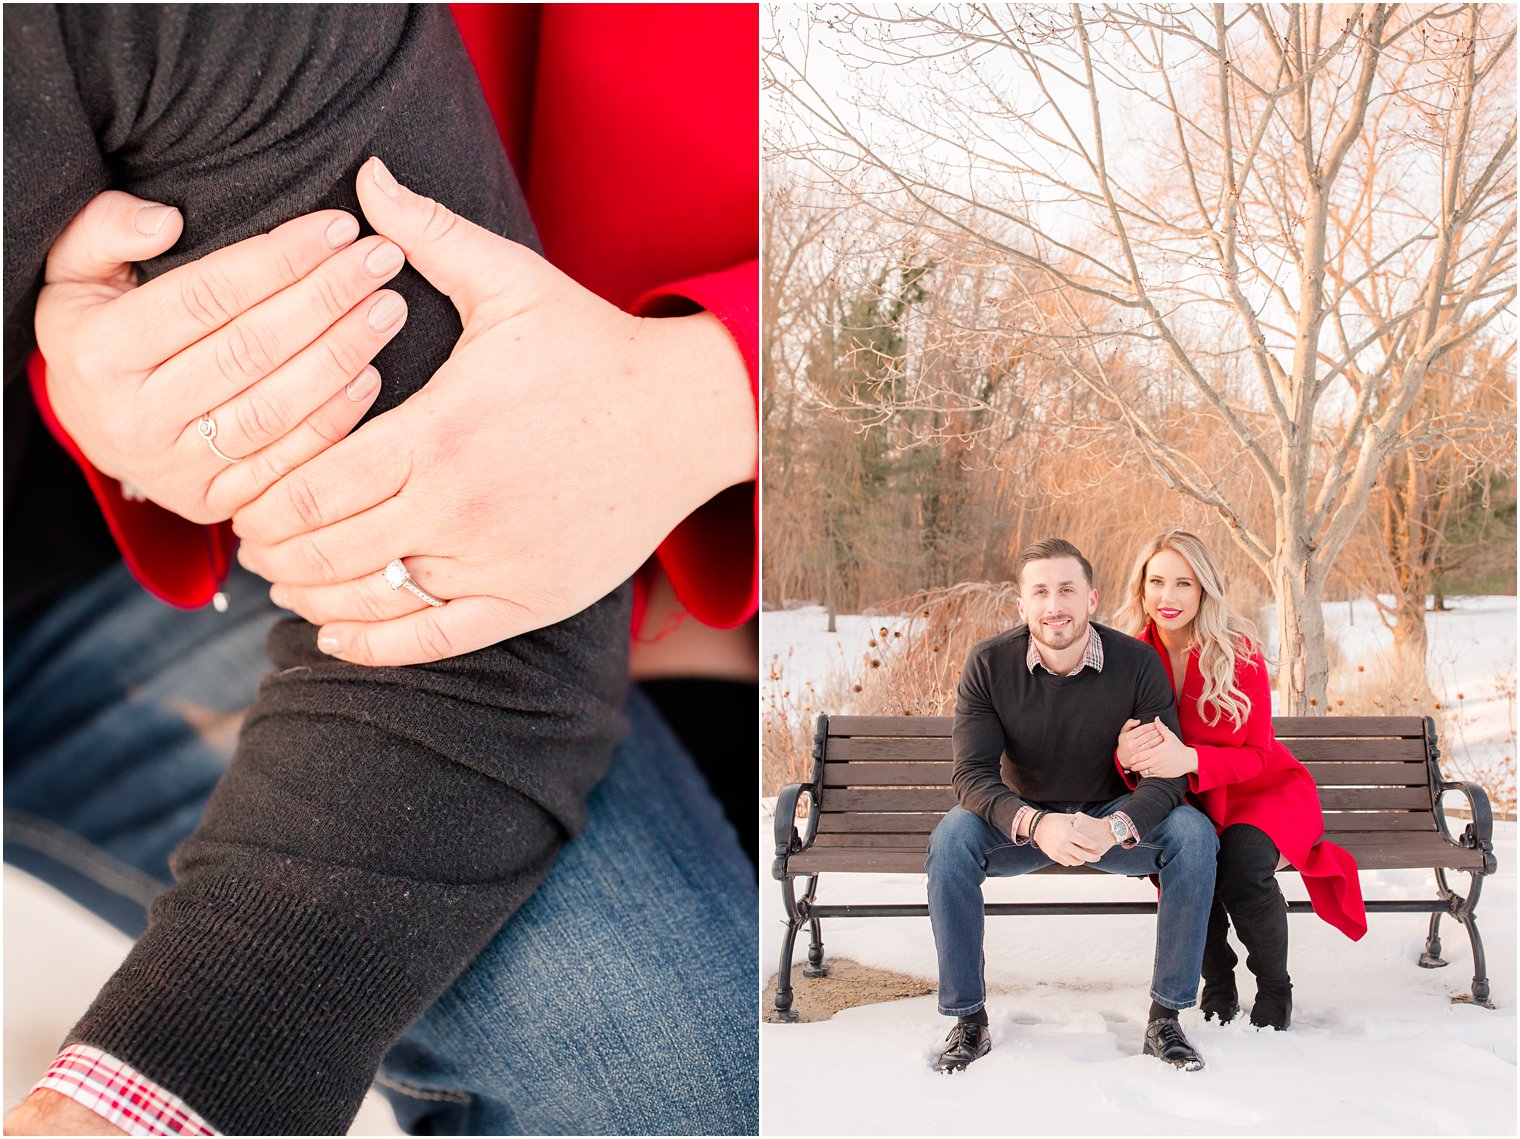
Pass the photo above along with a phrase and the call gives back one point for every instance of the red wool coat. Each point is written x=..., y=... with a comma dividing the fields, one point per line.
x=1246, y=775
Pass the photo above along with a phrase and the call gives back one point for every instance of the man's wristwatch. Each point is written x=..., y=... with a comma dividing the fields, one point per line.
x=1124, y=835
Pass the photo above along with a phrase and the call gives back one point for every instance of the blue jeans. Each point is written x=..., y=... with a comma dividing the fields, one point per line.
x=621, y=999
x=965, y=850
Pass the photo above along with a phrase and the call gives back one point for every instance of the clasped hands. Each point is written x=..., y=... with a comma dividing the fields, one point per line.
x=1071, y=840
x=539, y=467
x=1153, y=750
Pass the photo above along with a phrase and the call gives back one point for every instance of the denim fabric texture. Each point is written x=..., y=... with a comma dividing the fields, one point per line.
x=622, y=999
x=965, y=850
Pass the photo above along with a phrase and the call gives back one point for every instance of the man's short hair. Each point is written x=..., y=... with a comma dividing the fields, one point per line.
x=1044, y=550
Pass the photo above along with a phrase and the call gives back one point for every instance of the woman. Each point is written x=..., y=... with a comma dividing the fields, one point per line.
x=1263, y=801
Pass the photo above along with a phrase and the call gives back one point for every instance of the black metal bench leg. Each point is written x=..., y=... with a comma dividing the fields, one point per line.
x=797, y=912
x=815, y=966
x=1431, y=958
x=1463, y=910
x=782, y=1012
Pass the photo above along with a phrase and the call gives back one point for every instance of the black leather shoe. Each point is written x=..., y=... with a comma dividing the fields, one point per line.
x=1274, y=1006
x=1165, y=1041
x=967, y=1041
x=1220, y=999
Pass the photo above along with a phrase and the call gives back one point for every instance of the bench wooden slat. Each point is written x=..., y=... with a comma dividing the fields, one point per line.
x=939, y=799
x=943, y=798
x=909, y=773
x=1355, y=750
x=890, y=725
x=1288, y=727
x=1351, y=822
x=1377, y=774
x=938, y=748
x=1429, y=853
x=1336, y=822
x=1404, y=839
x=887, y=775
x=889, y=750
x=857, y=823
x=1369, y=855
x=918, y=842
x=878, y=861
x=1374, y=798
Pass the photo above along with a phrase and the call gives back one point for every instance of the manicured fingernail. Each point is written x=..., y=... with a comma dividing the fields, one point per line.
x=150, y=220
x=342, y=231
x=362, y=386
x=385, y=312
x=384, y=260
x=327, y=643
x=385, y=180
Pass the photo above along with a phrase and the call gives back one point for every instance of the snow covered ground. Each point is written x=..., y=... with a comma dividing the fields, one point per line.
x=1376, y=1046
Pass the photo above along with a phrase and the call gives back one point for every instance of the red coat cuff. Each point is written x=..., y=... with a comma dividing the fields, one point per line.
x=178, y=561
x=713, y=557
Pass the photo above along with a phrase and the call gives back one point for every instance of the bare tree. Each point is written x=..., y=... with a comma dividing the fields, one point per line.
x=1461, y=437
x=1280, y=220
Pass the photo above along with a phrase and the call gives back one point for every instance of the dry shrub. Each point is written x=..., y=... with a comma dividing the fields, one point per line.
x=1389, y=684
x=1384, y=684
x=919, y=670
x=790, y=718
x=1493, y=769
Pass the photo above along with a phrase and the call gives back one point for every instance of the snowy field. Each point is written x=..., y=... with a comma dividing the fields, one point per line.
x=1376, y=1047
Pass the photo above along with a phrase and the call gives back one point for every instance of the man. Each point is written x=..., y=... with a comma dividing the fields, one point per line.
x=1048, y=699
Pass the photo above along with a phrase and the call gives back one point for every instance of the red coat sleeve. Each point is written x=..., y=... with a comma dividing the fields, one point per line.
x=1250, y=749
x=713, y=557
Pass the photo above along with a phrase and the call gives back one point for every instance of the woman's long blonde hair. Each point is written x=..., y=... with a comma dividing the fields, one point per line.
x=1223, y=636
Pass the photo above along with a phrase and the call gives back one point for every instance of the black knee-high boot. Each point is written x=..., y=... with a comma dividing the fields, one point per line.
x=1247, y=885
x=1220, y=997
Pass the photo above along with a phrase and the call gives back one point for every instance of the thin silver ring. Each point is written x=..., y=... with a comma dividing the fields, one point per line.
x=397, y=576
x=207, y=427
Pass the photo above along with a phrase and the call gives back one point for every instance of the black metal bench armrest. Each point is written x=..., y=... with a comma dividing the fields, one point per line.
x=1479, y=833
x=788, y=841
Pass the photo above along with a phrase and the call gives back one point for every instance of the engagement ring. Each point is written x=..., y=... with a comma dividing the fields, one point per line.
x=397, y=577
x=207, y=427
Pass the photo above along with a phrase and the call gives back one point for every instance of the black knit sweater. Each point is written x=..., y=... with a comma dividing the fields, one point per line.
x=377, y=826
x=1022, y=735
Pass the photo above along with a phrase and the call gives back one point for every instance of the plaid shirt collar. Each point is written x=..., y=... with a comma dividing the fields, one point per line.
x=1092, y=655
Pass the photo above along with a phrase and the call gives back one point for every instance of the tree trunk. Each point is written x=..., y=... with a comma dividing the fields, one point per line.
x=1303, y=662
x=1409, y=636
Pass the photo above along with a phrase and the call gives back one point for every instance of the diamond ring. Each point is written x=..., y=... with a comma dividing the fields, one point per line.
x=207, y=428
x=397, y=577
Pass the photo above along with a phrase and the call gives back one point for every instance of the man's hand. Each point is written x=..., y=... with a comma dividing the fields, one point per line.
x=538, y=469
x=1166, y=758
x=49, y=1113
x=1135, y=737
x=1071, y=840
x=263, y=347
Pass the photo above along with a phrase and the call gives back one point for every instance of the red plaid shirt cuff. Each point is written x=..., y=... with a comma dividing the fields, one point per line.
x=120, y=1094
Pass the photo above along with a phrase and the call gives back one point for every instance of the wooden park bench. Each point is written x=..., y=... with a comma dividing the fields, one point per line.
x=881, y=783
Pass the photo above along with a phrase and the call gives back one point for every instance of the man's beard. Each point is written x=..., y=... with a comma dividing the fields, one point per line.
x=1064, y=638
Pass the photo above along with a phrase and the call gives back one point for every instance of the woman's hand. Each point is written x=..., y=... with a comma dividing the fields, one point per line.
x=538, y=469
x=258, y=351
x=1135, y=736
x=1165, y=759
